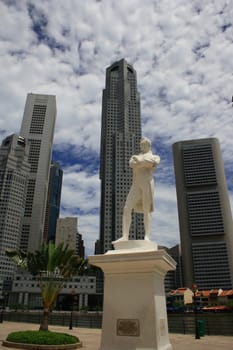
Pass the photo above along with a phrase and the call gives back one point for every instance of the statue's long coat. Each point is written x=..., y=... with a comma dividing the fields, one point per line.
x=143, y=166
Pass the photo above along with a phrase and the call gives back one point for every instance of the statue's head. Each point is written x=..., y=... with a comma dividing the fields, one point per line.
x=145, y=145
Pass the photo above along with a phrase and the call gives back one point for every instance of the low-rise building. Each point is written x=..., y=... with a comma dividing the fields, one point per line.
x=205, y=299
x=178, y=298
x=26, y=292
x=226, y=296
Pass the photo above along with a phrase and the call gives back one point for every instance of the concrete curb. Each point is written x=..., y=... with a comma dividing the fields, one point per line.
x=9, y=344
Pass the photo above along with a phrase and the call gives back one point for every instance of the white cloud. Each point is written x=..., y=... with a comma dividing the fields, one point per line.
x=164, y=218
x=182, y=52
x=80, y=190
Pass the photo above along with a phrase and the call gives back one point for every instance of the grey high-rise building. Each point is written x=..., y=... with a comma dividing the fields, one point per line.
x=67, y=232
x=38, y=129
x=14, y=174
x=174, y=279
x=80, y=248
x=120, y=138
x=205, y=218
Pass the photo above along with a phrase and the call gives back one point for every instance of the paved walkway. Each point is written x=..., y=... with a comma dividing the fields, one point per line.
x=91, y=337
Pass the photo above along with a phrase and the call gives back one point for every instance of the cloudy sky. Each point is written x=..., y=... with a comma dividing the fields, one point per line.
x=183, y=54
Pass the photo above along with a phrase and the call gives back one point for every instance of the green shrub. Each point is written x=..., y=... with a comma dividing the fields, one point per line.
x=42, y=338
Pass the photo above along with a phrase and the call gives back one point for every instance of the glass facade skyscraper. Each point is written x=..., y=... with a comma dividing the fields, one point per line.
x=120, y=138
x=53, y=201
x=14, y=175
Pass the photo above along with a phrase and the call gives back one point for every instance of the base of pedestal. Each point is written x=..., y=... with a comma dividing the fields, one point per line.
x=134, y=314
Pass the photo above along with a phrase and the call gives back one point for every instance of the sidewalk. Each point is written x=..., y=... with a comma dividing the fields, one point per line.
x=91, y=337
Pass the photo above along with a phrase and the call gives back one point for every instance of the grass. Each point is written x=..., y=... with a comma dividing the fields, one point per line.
x=42, y=338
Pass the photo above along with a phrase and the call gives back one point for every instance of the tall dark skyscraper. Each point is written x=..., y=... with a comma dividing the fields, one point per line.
x=205, y=218
x=120, y=138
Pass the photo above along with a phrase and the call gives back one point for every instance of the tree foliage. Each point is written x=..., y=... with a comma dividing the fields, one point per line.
x=52, y=266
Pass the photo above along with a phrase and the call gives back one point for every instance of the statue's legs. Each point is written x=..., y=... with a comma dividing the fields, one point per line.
x=133, y=196
x=126, y=222
x=136, y=194
x=147, y=224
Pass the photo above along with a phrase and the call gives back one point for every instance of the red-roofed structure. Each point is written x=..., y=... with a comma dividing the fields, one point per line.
x=204, y=299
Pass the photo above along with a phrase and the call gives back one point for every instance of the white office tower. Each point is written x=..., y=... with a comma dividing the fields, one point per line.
x=14, y=174
x=38, y=129
x=120, y=139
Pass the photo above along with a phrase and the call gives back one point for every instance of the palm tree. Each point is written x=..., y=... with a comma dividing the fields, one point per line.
x=52, y=266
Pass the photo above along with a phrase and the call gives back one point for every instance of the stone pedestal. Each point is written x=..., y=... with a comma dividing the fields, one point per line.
x=134, y=314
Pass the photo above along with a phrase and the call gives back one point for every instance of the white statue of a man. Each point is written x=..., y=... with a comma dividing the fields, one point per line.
x=140, y=196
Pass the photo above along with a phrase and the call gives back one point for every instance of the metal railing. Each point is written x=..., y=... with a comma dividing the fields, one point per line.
x=214, y=324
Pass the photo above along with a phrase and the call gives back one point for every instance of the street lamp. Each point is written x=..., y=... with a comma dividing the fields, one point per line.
x=195, y=289
x=72, y=308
